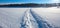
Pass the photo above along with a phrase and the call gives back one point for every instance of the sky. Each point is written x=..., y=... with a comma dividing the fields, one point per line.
x=29, y=1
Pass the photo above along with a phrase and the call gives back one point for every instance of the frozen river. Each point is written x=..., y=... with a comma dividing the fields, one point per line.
x=12, y=17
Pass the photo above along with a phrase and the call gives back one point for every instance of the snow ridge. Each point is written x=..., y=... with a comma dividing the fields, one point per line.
x=33, y=20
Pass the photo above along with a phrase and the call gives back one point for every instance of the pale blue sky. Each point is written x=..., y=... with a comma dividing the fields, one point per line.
x=29, y=1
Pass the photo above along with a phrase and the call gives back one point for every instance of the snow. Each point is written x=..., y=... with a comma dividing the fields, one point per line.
x=52, y=15
x=30, y=17
x=11, y=17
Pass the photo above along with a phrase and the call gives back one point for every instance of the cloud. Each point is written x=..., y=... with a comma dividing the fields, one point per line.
x=55, y=1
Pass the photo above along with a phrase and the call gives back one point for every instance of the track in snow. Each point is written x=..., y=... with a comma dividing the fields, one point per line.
x=33, y=20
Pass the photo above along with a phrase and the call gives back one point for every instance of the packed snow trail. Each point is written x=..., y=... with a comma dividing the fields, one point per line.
x=33, y=20
x=28, y=21
x=41, y=22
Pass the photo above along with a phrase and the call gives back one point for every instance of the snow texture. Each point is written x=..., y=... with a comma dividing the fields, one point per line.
x=20, y=18
x=33, y=20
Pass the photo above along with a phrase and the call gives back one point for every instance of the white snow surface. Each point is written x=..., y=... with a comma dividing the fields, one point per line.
x=12, y=17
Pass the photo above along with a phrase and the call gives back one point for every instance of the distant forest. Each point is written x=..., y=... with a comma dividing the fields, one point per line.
x=32, y=5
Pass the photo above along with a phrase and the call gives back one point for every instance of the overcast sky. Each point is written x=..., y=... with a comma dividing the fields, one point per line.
x=29, y=1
